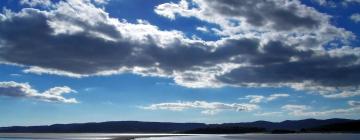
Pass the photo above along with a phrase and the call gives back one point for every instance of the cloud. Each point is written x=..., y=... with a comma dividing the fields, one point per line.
x=326, y=3
x=24, y=90
x=209, y=108
x=282, y=44
x=101, y=2
x=254, y=13
x=15, y=75
x=335, y=3
x=303, y=110
x=355, y=17
x=276, y=96
x=202, y=29
x=354, y=103
x=328, y=91
x=268, y=114
x=295, y=107
x=255, y=98
x=259, y=98
x=344, y=94
x=33, y=3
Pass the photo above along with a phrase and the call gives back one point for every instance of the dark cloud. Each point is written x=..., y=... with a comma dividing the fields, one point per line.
x=95, y=43
x=29, y=41
x=320, y=72
x=262, y=12
x=33, y=44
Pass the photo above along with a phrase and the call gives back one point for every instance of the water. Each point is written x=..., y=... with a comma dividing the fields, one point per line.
x=263, y=137
x=75, y=136
x=92, y=136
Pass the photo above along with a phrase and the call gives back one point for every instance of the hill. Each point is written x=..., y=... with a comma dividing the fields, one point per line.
x=307, y=125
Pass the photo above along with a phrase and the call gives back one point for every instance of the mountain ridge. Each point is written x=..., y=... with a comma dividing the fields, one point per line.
x=168, y=127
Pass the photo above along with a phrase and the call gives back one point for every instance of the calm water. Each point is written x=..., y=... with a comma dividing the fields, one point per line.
x=264, y=137
x=72, y=136
x=182, y=137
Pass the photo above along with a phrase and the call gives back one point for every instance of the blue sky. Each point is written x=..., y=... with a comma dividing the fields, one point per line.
x=71, y=61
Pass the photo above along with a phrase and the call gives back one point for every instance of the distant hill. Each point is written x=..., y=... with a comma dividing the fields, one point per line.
x=352, y=126
x=294, y=125
x=106, y=127
x=307, y=125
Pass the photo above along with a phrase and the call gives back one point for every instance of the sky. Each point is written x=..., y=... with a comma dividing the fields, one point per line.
x=73, y=61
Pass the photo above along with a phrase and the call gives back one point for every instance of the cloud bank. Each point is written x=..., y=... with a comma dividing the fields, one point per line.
x=273, y=43
x=24, y=90
x=304, y=110
x=208, y=108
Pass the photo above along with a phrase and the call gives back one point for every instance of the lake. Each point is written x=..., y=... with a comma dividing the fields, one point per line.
x=97, y=136
x=263, y=137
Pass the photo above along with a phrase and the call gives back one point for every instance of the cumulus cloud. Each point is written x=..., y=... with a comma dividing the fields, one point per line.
x=33, y=3
x=355, y=17
x=279, y=44
x=208, y=108
x=24, y=90
x=266, y=18
x=260, y=98
x=305, y=111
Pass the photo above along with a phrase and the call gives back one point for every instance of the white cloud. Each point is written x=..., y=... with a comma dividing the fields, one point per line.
x=303, y=110
x=355, y=17
x=202, y=29
x=101, y=2
x=268, y=114
x=209, y=108
x=24, y=90
x=33, y=3
x=295, y=107
x=327, y=91
x=170, y=10
x=276, y=96
x=344, y=94
x=255, y=98
x=259, y=98
x=354, y=103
